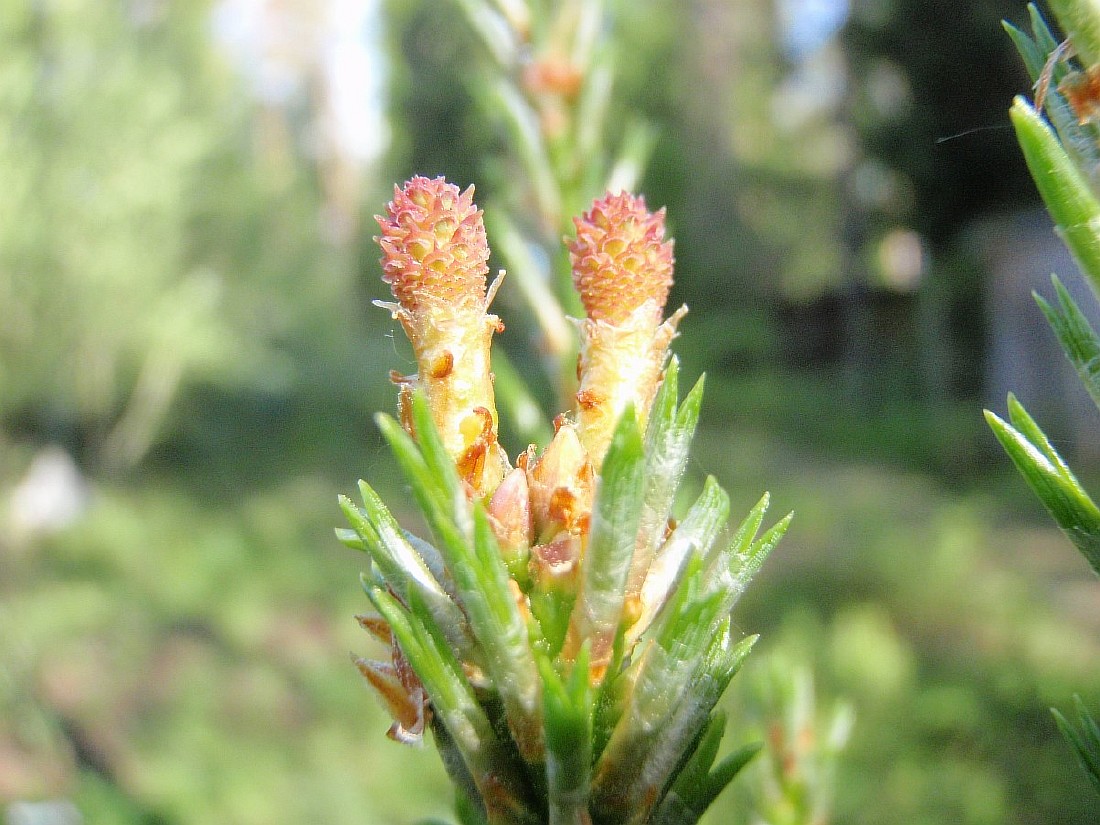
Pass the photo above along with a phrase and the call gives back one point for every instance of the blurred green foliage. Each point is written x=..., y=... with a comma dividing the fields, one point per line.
x=155, y=233
x=180, y=656
x=949, y=622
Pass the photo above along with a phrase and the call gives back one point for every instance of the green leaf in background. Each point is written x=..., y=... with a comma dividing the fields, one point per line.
x=1077, y=337
x=1047, y=64
x=467, y=812
x=1033, y=50
x=1066, y=192
x=1081, y=23
x=517, y=402
x=1050, y=478
x=1085, y=738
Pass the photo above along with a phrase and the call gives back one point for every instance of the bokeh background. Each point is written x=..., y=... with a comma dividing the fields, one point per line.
x=190, y=363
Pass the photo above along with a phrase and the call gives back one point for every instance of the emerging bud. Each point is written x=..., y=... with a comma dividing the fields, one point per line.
x=554, y=564
x=622, y=268
x=553, y=74
x=562, y=486
x=510, y=515
x=435, y=259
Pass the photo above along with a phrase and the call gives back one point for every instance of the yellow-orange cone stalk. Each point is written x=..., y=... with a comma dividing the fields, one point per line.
x=622, y=268
x=435, y=259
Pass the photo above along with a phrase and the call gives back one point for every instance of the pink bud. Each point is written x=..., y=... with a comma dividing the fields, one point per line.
x=620, y=258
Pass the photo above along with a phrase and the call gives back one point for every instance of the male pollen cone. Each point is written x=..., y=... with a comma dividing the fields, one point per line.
x=622, y=268
x=435, y=259
x=620, y=259
x=433, y=243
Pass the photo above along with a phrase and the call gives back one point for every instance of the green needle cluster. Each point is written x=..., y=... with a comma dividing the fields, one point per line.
x=1063, y=153
x=562, y=633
